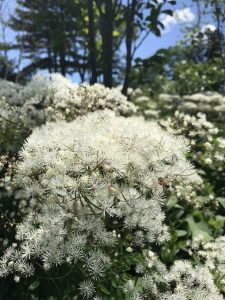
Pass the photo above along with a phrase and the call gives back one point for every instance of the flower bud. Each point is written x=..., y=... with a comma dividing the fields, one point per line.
x=17, y=279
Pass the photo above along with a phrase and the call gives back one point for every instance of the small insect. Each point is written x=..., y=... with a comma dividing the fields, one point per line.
x=164, y=181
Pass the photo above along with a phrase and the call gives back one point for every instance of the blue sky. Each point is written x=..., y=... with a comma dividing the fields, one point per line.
x=185, y=14
x=171, y=35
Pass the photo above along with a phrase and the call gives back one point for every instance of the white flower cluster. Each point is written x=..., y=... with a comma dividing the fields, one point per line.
x=200, y=132
x=196, y=126
x=207, y=152
x=167, y=98
x=189, y=190
x=84, y=181
x=191, y=283
x=51, y=98
x=7, y=166
x=8, y=90
x=208, y=102
x=62, y=99
x=213, y=255
x=145, y=105
x=182, y=281
x=141, y=100
x=14, y=126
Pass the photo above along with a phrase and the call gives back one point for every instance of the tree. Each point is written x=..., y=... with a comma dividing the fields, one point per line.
x=218, y=13
x=51, y=34
x=196, y=63
x=216, y=9
x=92, y=41
x=7, y=66
x=7, y=69
x=192, y=66
x=142, y=18
x=84, y=37
x=110, y=19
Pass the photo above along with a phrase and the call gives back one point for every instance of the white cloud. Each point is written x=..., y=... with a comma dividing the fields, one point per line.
x=206, y=29
x=184, y=15
x=209, y=27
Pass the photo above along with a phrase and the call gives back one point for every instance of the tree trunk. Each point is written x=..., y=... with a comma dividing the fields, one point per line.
x=130, y=15
x=92, y=43
x=62, y=62
x=219, y=33
x=50, y=59
x=55, y=63
x=107, y=17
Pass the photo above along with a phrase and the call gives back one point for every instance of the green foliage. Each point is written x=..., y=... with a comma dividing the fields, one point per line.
x=194, y=65
x=195, y=206
x=190, y=77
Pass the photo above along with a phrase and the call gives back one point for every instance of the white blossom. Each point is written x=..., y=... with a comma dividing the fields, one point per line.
x=81, y=176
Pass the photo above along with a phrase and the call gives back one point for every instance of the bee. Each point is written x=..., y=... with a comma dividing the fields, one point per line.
x=164, y=181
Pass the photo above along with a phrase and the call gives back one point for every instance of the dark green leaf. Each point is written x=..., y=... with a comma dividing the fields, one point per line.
x=168, y=12
x=199, y=229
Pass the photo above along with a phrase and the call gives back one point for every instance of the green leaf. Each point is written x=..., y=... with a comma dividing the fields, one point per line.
x=33, y=285
x=155, y=30
x=199, y=228
x=168, y=12
x=180, y=233
x=116, y=33
x=114, y=284
x=104, y=290
x=161, y=25
x=173, y=2
x=221, y=201
x=220, y=218
x=171, y=202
